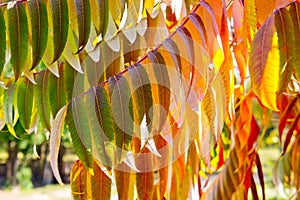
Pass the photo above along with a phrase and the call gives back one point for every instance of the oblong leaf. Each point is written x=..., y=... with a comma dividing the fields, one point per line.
x=87, y=116
x=103, y=112
x=80, y=149
x=295, y=14
x=100, y=184
x=69, y=78
x=121, y=104
x=83, y=10
x=42, y=98
x=197, y=21
x=264, y=64
x=124, y=184
x=2, y=41
x=57, y=92
x=163, y=82
x=286, y=42
x=100, y=16
x=173, y=49
x=187, y=37
x=25, y=94
x=116, y=8
x=8, y=101
x=55, y=138
x=60, y=21
x=78, y=181
x=39, y=29
x=142, y=94
x=18, y=37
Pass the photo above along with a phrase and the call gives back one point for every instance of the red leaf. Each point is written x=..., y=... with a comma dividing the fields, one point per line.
x=260, y=175
x=254, y=132
x=290, y=134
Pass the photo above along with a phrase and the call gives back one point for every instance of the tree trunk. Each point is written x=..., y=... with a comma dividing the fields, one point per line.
x=12, y=163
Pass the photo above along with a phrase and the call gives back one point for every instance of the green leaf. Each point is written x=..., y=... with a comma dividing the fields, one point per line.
x=81, y=151
x=69, y=79
x=39, y=29
x=121, y=104
x=286, y=42
x=57, y=94
x=103, y=112
x=8, y=101
x=2, y=41
x=55, y=138
x=100, y=16
x=25, y=93
x=91, y=120
x=295, y=14
x=18, y=37
x=142, y=94
x=83, y=11
x=60, y=20
x=42, y=98
x=163, y=82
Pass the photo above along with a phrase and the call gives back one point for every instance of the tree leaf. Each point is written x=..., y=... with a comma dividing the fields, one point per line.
x=286, y=42
x=39, y=29
x=213, y=105
x=2, y=121
x=60, y=21
x=2, y=41
x=264, y=64
x=42, y=98
x=121, y=104
x=290, y=134
x=25, y=94
x=81, y=151
x=187, y=37
x=250, y=19
x=8, y=101
x=68, y=53
x=69, y=75
x=100, y=184
x=103, y=111
x=55, y=138
x=57, y=91
x=83, y=10
x=142, y=94
x=285, y=116
x=124, y=184
x=197, y=21
x=173, y=49
x=78, y=181
x=18, y=37
x=116, y=8
x=260, y=175
x=100, y=16
x=145, y=180
x=295, y=14
x=163, y=82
